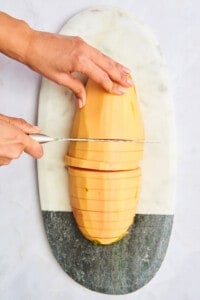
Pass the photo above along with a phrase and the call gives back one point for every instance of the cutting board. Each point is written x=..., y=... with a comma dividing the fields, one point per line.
x=129, y=264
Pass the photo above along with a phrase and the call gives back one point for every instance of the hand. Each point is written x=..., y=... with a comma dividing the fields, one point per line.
x=57, y=57
x=14, y=139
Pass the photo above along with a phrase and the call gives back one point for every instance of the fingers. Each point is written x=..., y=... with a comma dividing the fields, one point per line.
x=117, y=72
x=75, y=85
x=13, y=148
x=24, y=125
x=32, y=147
x=112, y=76
x=20, y=123
x=4, y=161
x=28, y=145
x=13, y=141
x=94, y=72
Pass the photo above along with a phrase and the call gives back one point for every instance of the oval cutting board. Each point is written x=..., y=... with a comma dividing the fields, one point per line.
x=129, y=264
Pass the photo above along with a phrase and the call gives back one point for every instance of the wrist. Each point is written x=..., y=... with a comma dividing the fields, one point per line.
x=14, y=37
x=31, y=51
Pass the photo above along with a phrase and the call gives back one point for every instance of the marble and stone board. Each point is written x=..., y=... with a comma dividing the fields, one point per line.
x=129, y=264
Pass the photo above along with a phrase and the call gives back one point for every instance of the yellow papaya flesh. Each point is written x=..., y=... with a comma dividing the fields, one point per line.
x=104, y=177
x=107, y=116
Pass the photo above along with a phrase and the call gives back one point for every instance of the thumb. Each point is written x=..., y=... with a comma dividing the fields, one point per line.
x=32, y=147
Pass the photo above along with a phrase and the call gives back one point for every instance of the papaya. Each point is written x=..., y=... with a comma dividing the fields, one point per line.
x=105, y=177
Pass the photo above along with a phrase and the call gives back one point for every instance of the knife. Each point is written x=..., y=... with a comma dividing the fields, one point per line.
x=43, y=138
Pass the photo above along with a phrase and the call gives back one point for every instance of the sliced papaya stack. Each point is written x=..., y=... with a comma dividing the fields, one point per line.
x=104, y=177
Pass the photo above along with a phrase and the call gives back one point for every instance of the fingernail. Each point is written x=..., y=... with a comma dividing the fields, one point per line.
x=80, y=102
x=126, y=70
x=121, y=90
x=130, y=81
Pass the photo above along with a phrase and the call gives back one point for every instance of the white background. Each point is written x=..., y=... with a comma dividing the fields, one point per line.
x=28, y=269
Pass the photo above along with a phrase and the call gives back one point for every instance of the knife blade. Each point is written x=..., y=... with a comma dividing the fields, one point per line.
x=43, y=138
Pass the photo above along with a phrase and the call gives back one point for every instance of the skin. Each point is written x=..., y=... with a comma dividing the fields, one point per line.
x=56, y=57
x=14, y=139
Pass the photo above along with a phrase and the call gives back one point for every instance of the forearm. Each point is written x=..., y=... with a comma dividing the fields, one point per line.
x=14, y=37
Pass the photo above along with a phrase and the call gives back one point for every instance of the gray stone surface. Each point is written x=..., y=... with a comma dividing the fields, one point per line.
x=120, y=268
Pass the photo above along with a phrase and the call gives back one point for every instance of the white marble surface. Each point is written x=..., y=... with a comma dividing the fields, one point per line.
x=27, y=267
x=122, y=36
